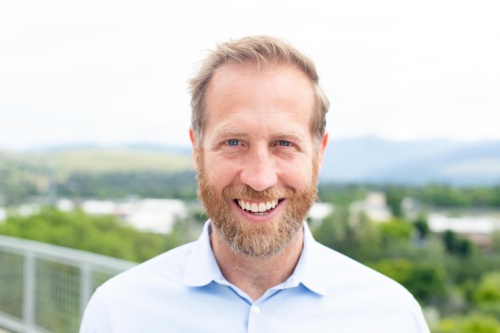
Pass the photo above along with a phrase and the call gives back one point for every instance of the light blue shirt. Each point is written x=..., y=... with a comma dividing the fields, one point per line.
x=183, y=290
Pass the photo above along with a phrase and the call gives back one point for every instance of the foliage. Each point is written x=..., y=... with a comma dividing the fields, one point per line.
x=355, y=238
x=342, y=194
x=100, y=234
x=181, y=185
x=422, y=227
x=487, y=293
x=457, y=245
x=436, y=195
x=81, y=173
x=474, y=323
x=495, y=242
x=396, y=230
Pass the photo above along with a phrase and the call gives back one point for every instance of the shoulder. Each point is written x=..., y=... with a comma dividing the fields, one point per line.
x=169, y=265
x=369, y=298
x=346, y=276
x=132, y=293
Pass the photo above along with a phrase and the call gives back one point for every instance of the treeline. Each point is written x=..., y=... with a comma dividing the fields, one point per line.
x=433, y=195
x=93, y=172
x=19, y=186
x=180, y=185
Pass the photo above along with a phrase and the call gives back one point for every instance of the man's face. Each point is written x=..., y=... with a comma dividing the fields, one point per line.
x=257, y=164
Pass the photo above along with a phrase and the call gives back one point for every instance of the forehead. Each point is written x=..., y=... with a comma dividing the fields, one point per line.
x=282, y=75
x=275, y=90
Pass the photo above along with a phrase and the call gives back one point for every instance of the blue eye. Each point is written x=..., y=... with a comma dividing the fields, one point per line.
x=284, y=143
x=233, y=142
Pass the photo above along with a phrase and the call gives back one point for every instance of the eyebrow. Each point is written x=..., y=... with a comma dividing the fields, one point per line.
x=228, y=132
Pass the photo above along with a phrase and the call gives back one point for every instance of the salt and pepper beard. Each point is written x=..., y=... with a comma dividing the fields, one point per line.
x=257, y=240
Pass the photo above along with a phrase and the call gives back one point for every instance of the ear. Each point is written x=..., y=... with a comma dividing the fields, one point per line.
x=192, y=137
x=324, y=143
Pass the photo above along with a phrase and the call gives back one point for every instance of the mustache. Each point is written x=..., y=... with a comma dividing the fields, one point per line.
x=246, y=192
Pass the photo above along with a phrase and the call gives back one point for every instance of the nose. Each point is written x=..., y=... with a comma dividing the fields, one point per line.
x=259, y=171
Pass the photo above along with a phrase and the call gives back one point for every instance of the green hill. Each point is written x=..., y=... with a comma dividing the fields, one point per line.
x=107, y=160
x=87, y=171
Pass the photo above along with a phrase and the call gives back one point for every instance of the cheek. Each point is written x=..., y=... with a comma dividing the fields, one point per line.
x=220, y=173
x=297, y=175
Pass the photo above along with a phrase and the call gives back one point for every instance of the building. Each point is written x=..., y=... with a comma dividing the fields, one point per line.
x=477, y=228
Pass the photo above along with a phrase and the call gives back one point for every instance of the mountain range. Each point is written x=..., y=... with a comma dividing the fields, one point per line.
x=371, y=159
x=357, y=160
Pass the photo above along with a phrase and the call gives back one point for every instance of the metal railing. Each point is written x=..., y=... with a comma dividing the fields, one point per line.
x=45, y=288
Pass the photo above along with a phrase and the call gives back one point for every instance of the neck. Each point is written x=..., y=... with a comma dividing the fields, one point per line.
x=256, y=275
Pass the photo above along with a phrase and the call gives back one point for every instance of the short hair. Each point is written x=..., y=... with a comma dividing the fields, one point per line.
x=261, y=51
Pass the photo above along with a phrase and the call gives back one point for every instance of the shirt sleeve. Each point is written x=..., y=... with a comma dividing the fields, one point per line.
x=417, y=320
x=94, y=320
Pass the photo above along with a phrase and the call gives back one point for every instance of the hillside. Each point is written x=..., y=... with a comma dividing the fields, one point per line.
x=90, y=171
x=92, y=159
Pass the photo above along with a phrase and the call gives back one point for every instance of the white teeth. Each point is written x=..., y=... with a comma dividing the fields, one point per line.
x=260, y=207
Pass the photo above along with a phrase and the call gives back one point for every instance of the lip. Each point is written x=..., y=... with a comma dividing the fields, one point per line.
x=253, y=218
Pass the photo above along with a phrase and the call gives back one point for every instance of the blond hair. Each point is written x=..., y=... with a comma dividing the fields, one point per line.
x=261, y=51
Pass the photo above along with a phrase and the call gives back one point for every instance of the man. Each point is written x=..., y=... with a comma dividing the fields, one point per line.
x=258, y=135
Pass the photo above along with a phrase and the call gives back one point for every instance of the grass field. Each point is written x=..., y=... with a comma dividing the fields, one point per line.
x=99, y=160
x=96, y=160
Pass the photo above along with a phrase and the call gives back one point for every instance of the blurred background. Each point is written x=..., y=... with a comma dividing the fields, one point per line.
x=95, y=163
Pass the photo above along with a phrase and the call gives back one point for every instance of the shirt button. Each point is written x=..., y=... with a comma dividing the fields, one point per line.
x=255, y=310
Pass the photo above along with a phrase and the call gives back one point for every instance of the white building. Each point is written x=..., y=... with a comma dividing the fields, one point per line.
x=374, y=207
x=152, y=215
x=319, y=211
x=477, y=228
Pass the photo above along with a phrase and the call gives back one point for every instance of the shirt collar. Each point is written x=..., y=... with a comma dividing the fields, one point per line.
x=202, y=268
x=310, y=269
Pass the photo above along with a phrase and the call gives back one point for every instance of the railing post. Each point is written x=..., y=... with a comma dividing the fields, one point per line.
x=29, y=297
x=85, y=285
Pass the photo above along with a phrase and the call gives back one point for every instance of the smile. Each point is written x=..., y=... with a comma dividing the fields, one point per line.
x=259, y=208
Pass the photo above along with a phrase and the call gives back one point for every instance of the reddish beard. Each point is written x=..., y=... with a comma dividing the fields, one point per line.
x=260, y=240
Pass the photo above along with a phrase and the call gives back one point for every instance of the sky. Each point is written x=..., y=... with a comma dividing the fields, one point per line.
x=112, y=72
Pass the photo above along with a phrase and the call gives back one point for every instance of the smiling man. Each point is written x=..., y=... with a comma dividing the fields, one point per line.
x=258, y=135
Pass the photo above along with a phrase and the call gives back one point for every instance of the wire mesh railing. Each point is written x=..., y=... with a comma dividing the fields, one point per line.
x=45, y=288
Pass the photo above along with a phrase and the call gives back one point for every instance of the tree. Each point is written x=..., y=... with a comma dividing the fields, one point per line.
x=360, y=240
x=396, y=230
x=457, y=245
x=495, y=242
x=106, y=235
x=422, y=228
x=487, y=293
